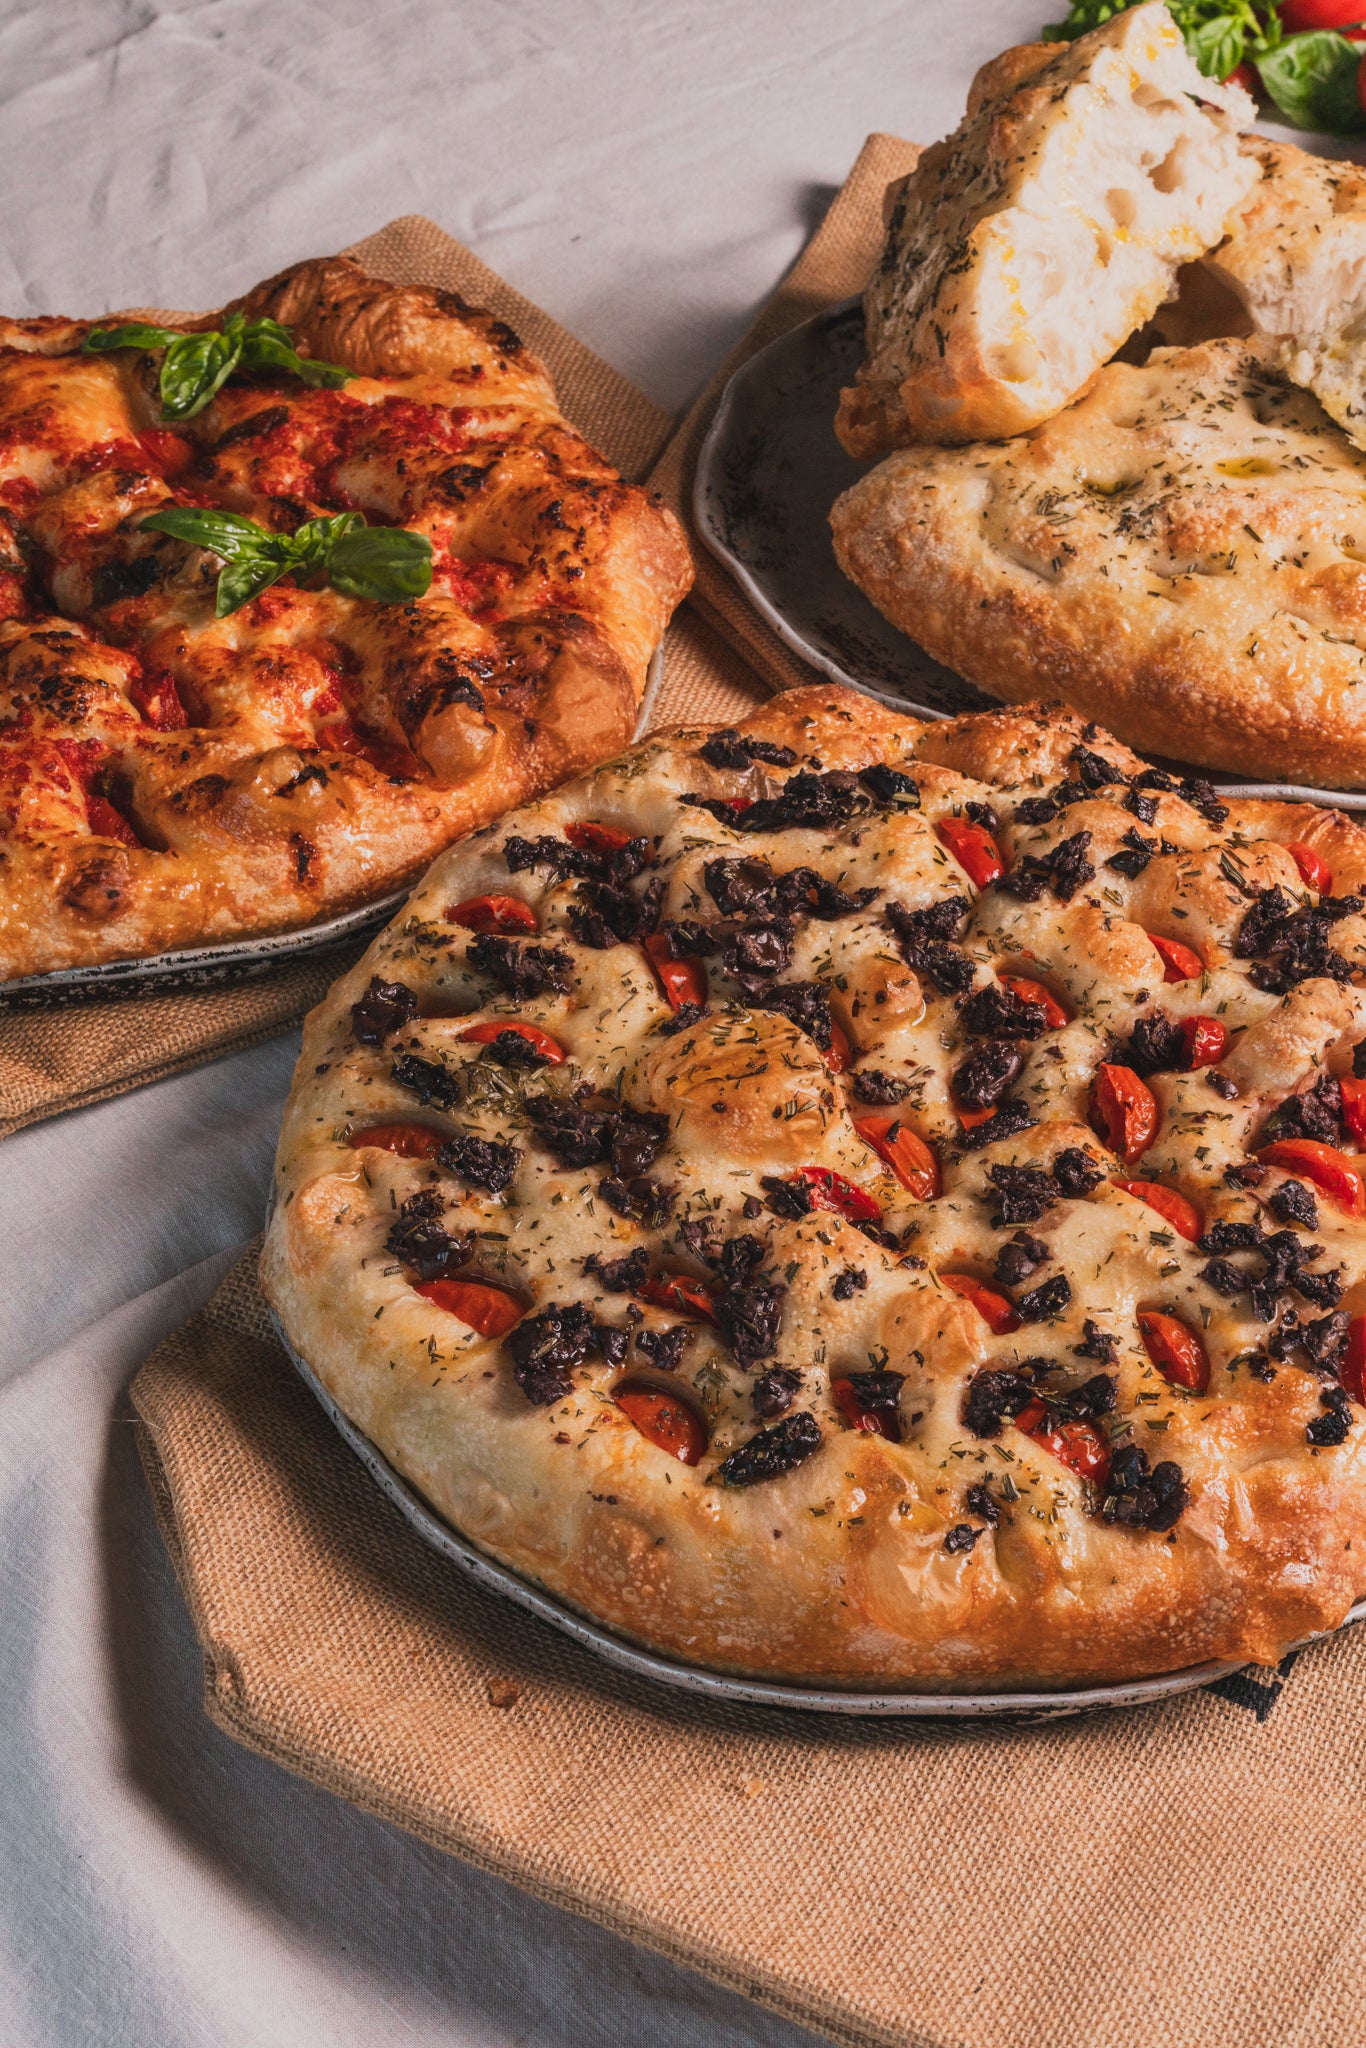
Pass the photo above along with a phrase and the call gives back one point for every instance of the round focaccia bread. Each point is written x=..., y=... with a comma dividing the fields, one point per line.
x=1028, y=247
x=169, y=778
x=862, y=1201
x=1182, y=553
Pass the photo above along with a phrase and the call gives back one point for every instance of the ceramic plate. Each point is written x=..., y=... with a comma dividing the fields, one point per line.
x=236, y=959
x=768, y=473
x=757, y=1692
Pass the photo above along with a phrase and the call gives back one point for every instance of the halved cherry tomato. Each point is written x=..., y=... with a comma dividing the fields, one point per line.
x=493, y=914
x=158, y=699
x=830, y=1190
x=996, y=1312
x=1175, y=1350
x=1182, y=1215
x=682, y=981
x=872, y=1421
x=733, y=803
x=841, y=1052
x=1315, y=872
x=1298, y=17
x=1035, y=992
x=550, y=1049
x=1179, y=963
x=664, y=1420
x=1354, y=1107
x=909, y=1157
x=1031, y=1416
x=168, y=453
x=597, y=838
x=1125, y=1111
x=974, y=849
x=1206, y=1041
x=970, y=1118
x=681, y=1293
x=1354, y=1365
x=1337, y=1175
x=108, y=823
x=408, y=1141
x=1245, y=74
x=489, y=1310
x=1079, y=1446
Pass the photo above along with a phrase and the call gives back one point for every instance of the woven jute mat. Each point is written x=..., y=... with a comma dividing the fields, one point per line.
x=1185, y=1876
x=54, y=1060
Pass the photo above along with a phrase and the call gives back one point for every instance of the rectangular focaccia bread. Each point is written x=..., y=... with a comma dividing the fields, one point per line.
x=168, y=776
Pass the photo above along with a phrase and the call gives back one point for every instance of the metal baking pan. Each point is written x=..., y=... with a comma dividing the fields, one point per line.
x=193, y=967
x=755, y=1692
x=768, y=472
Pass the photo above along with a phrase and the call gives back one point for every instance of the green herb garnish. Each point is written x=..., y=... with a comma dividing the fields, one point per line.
x=384, y=564
x=197, y=366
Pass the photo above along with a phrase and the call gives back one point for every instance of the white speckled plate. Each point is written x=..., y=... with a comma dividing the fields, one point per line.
x=757, y=1692
x=236, y=959
x=768, y=473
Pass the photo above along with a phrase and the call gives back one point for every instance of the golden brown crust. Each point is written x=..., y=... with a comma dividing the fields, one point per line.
x=869, y=1562
x=1181, y=554
x=168, y=778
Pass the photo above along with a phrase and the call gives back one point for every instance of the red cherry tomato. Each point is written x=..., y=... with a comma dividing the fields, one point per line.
x=597, y=838
x=1179, y=963
x=996, y=1312
x=167, y=453
x=1354, y=1365
x=974, y=849
x=1079, y=1446
x=1315, y=872
x=550, y=1049
x=493, y=914
x=1354, y=1107
x=1206, y=1041
x=970, y=1118
x=682, y=981
x=841, y=1052
x=1175, y=1350
x=681, y=1293
x=1035, y=992
x=1173, y=1208
x=489, y=1310
x=872, y=1421
x=1031, y=1416
x=665, y=1420
x=107, y=823
x=829, y=1190
x=1300, y=16
x=909, y=1157
x=1125, y=1112
x=1245, y=74
x=158, y=700
x=408, y=1141
x=1331, y=1171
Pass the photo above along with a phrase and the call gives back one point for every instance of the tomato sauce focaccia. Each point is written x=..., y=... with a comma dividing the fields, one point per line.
x=864, y=1201
x=169, y=776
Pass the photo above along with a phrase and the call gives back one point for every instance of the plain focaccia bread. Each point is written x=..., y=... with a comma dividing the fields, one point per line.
x=1022, y=252
x=1181, y=553
x=168, y=778
x=731, y=1210
x=1293, y=264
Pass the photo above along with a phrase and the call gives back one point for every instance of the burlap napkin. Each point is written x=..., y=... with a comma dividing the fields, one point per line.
x=63, y=1059
x=1186, y=1876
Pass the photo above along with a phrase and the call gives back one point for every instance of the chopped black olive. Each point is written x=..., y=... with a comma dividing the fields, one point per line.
x=772, y=1452
x=1140, y=1497
x=1018, y=1259
x=1325, y=1340
x=1093, y=770
x=522, y=970
x=665, y=1348
x=1289, y=943
x=805, y=801
x=428, y=1080
x=1133, y=855
x=774, y=1391
x=626, y=1275
x=848, y=1282
x=891, y=785
x=1036, y=810
x=546, y=1348
x=1076, y=1172
x=384, y=1009
x=642, y=1200
x=960, y=1538
x=925, y=937
x=480, y=1162
x=877, y=1393
x=1025, y=1193
x=982, y=1501
x=1046, y=1301
x=1333, y=1425
x=510, y=1049
x=617, y=864
x=1012, y=1116
x=749, y=1316
x=995, y=1012
x=420, y=1239
x=805, y=1003
x=1315, y=1114
x=1096, y=1343
x=991, y=1397
x=728, y=748
x=1293, y=1202
x=873, y=1086
x=986, y=1074
x=1224, y=1277
x=1155, y=1046
x=1065, y=870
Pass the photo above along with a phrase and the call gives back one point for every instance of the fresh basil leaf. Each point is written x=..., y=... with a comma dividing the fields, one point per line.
x=382, y=563
x=194, y=368
x=1313, y=80
x=133, y=334
x=262, y=329
x=243, y=580
x=314, y=541
x=322, y=376
x=1218, y=33
x=1218, y=45
x=262, y=351
x=226, y=534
